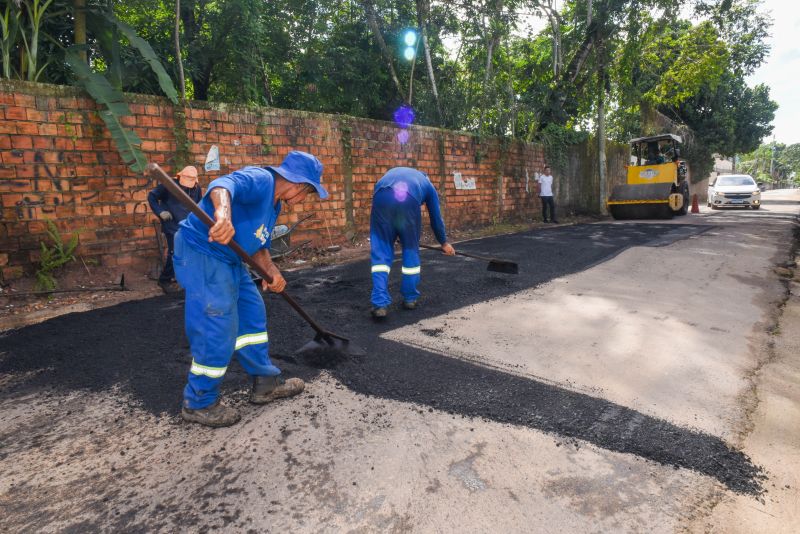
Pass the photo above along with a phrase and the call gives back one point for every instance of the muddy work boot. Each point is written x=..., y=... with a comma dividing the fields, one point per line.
x=216, y=415
x=379, y=313
x=269, y=388
x=408, y=305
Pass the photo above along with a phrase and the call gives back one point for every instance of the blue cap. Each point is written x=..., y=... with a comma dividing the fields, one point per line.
x=301, y=167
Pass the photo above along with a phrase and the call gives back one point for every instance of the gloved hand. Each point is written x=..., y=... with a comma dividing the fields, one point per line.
x=165, y=215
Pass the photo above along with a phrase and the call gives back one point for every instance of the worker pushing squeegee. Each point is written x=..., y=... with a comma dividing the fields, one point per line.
x=225, y=312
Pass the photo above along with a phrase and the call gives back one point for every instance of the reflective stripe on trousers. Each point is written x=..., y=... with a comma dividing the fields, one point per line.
x=393, y=219
x=224, y=315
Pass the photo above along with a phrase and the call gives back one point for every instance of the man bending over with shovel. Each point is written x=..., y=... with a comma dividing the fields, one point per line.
x=225, y=312
x=396, y=213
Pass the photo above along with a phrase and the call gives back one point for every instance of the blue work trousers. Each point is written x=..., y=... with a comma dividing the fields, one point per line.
x=225, y=314
x=394, y=216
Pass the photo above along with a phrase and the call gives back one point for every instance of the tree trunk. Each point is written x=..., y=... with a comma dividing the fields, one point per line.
x=372, y=22
x=79, y=12
x=422, y=16
x=487, y=75
x=178, y=56
x=601, y=126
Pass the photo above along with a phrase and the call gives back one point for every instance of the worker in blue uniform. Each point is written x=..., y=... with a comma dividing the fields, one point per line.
x=396, y=214
x=225, y=313
x=171, y=212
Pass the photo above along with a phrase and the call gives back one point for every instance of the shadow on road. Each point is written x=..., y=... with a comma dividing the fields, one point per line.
x=141, y=347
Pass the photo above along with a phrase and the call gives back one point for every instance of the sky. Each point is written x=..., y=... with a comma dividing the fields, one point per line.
x=781, y=71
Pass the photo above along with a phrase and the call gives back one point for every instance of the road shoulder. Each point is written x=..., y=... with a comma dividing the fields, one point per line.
x=773, y=439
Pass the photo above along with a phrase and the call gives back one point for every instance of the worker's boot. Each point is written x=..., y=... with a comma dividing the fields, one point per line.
x=410, y=305
x=216, y=415
x=379, y=312
x=269, y=388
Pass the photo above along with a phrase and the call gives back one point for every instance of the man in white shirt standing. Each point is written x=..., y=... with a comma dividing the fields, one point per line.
x=546, y=195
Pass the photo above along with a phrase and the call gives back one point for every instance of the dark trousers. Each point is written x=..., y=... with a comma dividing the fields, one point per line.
x=168, y=273
x=548, y=205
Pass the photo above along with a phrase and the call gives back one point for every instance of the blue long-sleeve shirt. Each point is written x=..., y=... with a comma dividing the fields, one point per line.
x=253, y=213
x=416, y=184
x=160, y=200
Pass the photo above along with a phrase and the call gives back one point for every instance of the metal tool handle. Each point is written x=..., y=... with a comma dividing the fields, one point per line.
x=303, y=219
x=158, y=173
x=429, y=247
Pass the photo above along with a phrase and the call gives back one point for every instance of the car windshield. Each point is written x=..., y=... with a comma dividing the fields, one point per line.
x=735, y=180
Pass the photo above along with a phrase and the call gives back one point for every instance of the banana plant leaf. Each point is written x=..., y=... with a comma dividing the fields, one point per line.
x=128, y=143
x=144, y=48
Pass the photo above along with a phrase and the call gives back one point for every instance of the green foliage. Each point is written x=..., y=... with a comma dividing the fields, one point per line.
x=9, y=30
x=144, y=48
x=322, y=55
x=773, y=163
x=557, y=140
x=684, y=63
x=21, y=26
x=53, y=257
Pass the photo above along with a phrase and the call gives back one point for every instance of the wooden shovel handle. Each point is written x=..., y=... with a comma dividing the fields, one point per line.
x=429, y=247
x=158, y=173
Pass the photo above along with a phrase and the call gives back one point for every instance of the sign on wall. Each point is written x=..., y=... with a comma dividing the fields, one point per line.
x=212, y=159
x=461, y=183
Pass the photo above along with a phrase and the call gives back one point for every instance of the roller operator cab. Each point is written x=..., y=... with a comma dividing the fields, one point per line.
x=657, y=183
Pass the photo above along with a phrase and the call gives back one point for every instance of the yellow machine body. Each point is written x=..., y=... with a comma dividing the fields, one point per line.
x=653, y=174
x=656, y=186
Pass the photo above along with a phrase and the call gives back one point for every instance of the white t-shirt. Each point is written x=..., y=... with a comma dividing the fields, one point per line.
x=546, y=182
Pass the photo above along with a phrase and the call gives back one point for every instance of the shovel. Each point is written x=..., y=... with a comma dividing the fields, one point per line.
x=496, y=265
x=324, y=340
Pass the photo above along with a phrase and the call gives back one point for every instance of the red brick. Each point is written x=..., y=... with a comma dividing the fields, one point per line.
x=35, y=115
x=15, y=113
x=67, y=102
x=62, y=143
x=83, y=144
x=21, y=142
x=24, y=100
x=48, y=129
x=160, y=122
x=12, y=273
x=27, y=128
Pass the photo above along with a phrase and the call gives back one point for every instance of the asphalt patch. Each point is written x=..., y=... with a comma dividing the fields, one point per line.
x=140, y=348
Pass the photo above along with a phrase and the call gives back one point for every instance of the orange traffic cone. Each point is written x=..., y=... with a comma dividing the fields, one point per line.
x=695, y=207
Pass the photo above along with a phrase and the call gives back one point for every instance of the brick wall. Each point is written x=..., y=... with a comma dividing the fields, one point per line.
x=57, y=163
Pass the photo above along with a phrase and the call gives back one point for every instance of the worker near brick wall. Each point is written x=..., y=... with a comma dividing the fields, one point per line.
x=225, y=313
x=171, y=212
x=546, y=195
x=396, y=214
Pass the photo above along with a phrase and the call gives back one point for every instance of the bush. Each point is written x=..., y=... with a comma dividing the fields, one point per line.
x=54, y=257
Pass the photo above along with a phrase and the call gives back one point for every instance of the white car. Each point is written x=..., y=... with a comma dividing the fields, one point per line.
x=734, y=190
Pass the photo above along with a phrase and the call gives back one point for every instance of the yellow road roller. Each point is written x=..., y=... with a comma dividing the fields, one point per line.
x=658, y=186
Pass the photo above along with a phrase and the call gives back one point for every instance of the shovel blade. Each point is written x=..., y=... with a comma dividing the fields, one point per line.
x=327, y=348
x=500, y=266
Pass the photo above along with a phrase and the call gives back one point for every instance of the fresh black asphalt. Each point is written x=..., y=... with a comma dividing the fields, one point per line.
x=140, y=347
